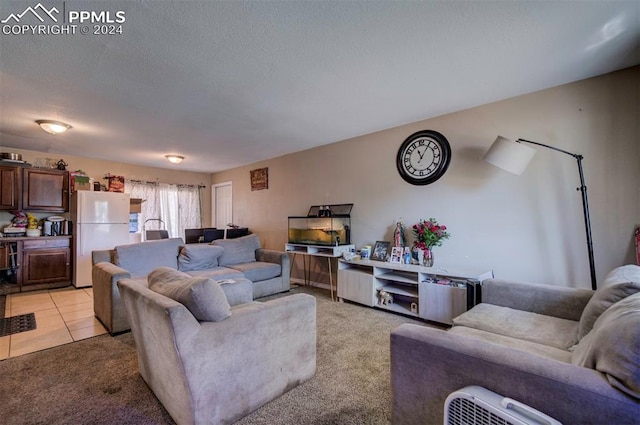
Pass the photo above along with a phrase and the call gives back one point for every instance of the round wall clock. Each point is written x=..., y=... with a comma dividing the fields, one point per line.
x=423, y=157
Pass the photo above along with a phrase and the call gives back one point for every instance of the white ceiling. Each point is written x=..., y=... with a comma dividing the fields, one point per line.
x=234, y=82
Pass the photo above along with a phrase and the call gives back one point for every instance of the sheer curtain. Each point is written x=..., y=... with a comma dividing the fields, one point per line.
x=167, y=206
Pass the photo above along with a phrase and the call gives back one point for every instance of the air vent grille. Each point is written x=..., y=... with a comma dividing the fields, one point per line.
x=466, y=412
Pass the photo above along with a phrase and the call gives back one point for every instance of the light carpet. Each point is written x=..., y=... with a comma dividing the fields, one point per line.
x=96, y=381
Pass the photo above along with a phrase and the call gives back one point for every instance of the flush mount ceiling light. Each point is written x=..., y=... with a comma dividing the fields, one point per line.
x=53, y=127
x=176, y=159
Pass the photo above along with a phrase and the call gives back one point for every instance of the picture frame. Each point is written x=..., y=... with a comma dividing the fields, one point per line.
x=259, y=178
x=380, y=251
x=397, y=253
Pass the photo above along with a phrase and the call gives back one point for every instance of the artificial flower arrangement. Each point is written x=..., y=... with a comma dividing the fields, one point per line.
x=429, y=233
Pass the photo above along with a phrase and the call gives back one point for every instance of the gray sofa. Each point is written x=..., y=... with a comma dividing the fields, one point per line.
x=572, y=354
x=209, y=363
x=267, y=272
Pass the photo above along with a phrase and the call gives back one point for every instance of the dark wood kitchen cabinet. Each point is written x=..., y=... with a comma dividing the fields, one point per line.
x=45, y=190
x=10, y=188
x=46, y=263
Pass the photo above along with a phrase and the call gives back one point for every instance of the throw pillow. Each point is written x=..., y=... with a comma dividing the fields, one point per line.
x=203, y=297
x=238, y=250
x=198, y=257
x=140, y=258
x=619, y=284
x=613, y=346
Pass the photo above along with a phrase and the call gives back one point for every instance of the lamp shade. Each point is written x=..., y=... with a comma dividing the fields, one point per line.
x=509, y=155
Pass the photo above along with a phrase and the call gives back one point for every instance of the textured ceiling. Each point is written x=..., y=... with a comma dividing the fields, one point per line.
x=234, y=82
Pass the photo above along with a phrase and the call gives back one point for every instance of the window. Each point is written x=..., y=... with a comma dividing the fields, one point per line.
x=167, y=206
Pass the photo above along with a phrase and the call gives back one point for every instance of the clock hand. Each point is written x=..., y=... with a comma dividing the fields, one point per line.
x=425, y=149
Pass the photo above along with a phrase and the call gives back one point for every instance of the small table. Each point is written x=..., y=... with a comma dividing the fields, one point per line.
x=327, y=252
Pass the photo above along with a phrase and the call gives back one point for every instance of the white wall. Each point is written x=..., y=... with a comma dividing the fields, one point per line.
x=528, y=227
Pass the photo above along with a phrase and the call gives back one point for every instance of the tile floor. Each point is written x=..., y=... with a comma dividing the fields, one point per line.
x=62, y=315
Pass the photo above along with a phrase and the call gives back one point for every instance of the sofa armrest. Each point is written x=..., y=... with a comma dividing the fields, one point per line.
x=107, y=304
x=277, y=257
x=550, y=300
x=428, y=364
x=100, y=256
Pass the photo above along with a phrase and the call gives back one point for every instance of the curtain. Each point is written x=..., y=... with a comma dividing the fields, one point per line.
x=167, y=206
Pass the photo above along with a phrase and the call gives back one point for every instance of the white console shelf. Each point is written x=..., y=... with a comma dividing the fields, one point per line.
x=430, y=293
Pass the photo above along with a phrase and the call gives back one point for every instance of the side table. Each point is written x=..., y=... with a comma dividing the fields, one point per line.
x=328, y=252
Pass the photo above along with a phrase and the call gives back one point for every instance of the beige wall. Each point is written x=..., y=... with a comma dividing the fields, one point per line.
x=97, y=169
x=527, y=227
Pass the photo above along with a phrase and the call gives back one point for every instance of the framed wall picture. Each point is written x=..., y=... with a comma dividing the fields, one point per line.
x=380, y=250
x=396, y=254
x=260, y=178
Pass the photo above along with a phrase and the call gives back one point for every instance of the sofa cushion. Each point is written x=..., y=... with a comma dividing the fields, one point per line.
x=613, y=345
x=257, y=270
x=141, y=258
x=538, y=328
x=619, y=283
x=518, y=344
x=198, y=257
x=217, y=273
x=202, y=296
x=238, y=250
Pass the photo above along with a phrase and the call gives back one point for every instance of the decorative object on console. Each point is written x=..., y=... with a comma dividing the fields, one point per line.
x=397, y=253
x=398, y=234
x=423, y=157
x=428, y=234
x=384, y=298
x=514, y=157
x=380, y=251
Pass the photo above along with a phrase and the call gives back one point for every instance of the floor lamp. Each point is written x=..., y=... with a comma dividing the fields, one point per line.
x=515, y=157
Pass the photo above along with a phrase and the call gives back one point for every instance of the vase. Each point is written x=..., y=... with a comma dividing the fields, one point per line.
x=428, y=258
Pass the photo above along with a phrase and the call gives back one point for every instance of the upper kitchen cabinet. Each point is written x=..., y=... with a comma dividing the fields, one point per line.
x=10, y=188
x=45, y=190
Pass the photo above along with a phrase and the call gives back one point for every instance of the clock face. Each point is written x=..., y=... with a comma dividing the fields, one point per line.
x=423, y=157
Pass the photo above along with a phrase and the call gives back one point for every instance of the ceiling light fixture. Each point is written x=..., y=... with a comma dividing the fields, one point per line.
x=176, y=159
x=53, y=127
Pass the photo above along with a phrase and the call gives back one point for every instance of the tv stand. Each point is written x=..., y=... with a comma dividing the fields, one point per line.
x=430, y=293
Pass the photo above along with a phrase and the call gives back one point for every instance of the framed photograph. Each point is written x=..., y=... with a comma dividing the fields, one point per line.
x=396, y=254
x=380, y=250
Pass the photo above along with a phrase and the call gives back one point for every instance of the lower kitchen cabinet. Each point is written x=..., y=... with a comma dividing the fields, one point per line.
x=46, y=263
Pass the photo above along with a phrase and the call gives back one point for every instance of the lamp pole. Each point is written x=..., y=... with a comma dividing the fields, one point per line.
x=585, y=206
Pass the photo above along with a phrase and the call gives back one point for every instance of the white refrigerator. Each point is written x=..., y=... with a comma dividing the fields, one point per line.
x=100, y=221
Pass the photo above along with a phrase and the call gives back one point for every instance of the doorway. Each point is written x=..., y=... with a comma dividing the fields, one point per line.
x=222, y=208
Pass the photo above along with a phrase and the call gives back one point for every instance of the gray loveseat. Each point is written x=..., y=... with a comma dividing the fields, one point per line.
x=209, y=363
x=266, y=271
x=572, y=354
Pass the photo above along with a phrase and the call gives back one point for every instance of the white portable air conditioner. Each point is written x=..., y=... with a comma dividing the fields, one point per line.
x=474, y=405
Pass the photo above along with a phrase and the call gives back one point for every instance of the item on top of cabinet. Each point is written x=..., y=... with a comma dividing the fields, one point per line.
x=116, y=183
x=62, y=165
x=33, y=232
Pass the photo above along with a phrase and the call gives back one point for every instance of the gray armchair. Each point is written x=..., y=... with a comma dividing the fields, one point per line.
x=217, y=372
